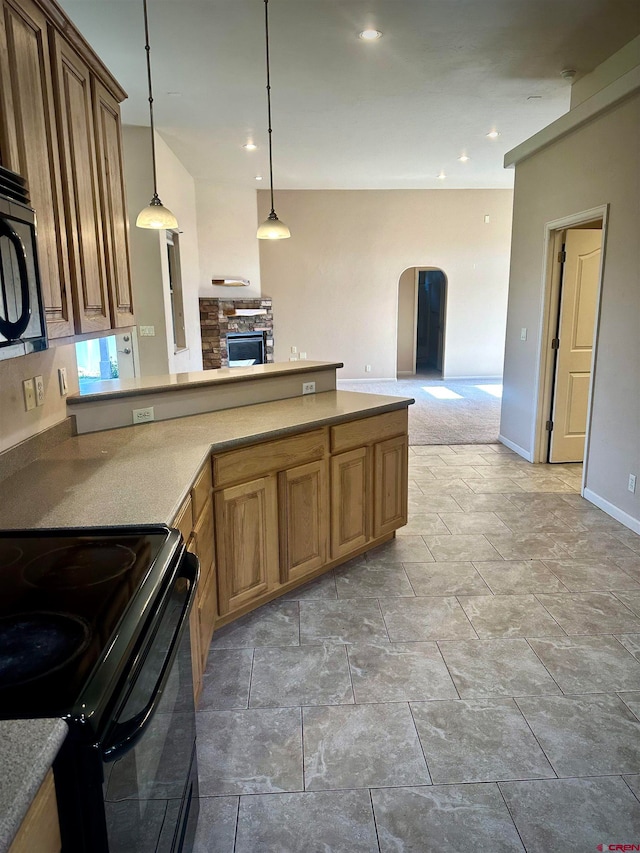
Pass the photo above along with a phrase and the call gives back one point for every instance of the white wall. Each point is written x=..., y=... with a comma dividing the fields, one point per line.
x=335, y=282
x=227, y=222
x=623, y=61
x=599, y=163
x=149, y=265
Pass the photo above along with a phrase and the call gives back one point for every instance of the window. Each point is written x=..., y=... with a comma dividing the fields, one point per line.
x=175, y=289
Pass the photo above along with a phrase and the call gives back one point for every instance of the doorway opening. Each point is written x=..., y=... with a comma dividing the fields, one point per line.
x=422, y=302
x=569, y=337
x=432, y=286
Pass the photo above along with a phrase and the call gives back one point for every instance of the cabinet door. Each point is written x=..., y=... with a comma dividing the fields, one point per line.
x=246, y=520
x=302, y=502
x=82, y=198
x=29, y=145
x=207, y=597
x=194, y=635
x=390, y=464
x=350, y=501
x=113, y=205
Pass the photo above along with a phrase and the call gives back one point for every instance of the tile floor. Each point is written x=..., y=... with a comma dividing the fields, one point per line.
x=473, y=684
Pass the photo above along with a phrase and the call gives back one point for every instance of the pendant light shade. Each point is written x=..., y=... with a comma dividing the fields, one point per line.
x=272, y=228
x=155, y=215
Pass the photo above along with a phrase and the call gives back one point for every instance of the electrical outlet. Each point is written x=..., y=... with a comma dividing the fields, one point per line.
x=523, y=334
x=308, y=387
x=62, y=381
x=29, y=394
x=39, y=384
x=294, y=350
x=632, y=483
x=143, y=416
x=147, y=331
x=293, y=358
x=303, y=355
x=367, y=368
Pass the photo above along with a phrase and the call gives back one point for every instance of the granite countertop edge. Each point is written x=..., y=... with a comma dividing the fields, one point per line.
x=202, y=379
x=27, y=750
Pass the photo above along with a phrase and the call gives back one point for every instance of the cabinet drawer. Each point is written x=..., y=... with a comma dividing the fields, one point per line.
x=247, y=463
x=368, y=430
x=184, y=520
x=201, y=490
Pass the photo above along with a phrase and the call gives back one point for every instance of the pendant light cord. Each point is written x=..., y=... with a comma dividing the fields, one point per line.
x=266, y=31
x=147, y=48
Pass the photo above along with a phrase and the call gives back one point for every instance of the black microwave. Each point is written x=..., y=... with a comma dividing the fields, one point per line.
x=22, y=319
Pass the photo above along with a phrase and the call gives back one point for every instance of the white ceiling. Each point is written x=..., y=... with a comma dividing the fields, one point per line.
x=349, y=114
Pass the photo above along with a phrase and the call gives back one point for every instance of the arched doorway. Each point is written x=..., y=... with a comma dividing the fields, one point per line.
x=422, y=301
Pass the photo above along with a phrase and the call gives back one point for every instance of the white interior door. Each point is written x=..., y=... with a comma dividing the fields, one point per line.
x=576, y=330
x=125, y=346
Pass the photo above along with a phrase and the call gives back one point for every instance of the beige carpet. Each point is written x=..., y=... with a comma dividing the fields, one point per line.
x=472, y=417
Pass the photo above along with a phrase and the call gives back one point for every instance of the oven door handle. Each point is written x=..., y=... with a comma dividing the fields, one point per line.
x=12, y=330
x=126, y=735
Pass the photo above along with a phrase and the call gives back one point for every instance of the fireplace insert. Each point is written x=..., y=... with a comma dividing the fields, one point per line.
x=246, y=348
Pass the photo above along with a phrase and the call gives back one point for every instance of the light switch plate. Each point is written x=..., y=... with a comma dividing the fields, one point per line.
x=29, y=394
x=147, y=331
x=39, y=385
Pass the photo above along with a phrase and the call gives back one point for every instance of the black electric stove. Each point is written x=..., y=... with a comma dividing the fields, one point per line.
x=94, y=629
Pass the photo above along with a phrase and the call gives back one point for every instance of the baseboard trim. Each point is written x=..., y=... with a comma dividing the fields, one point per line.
x=367, y=379
x=612, y=510
x=516, y=448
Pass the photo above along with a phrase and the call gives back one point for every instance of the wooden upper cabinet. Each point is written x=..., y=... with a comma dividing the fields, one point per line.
x=114, y=206
x=82, y=197
x=29, y=146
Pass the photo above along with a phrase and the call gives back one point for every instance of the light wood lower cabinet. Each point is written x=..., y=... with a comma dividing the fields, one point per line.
x=350, y=501
x=303, y=507
x=246, y=520
x=285, y=510
x=194, y=520
x=40, y=830
x=390, y=484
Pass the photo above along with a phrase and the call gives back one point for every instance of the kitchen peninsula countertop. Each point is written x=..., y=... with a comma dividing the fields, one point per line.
x=116, y=388
x=27, y=749
x=141, y=474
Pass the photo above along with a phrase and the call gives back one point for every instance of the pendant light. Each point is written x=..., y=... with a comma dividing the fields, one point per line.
x=272, y=228
x=155, y=215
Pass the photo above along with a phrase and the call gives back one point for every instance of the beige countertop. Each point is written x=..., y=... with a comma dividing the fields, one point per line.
x=141, y=474
x=27, y=749
x=116, y=388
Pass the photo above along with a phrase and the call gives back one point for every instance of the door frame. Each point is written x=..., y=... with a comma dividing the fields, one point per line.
x=549, y=310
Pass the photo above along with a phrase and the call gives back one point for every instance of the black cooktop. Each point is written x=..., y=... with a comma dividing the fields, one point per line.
x=64, y=598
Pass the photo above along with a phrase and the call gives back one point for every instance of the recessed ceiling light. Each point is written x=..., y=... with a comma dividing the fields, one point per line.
x=493, y=134
x=370, y=35
x=463, y=158
x=258, y=177
x=250, y=146
x=441, y=176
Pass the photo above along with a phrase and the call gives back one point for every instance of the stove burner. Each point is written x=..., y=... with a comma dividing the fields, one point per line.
x=9, y=554
x=38, y=644
x=81, y=565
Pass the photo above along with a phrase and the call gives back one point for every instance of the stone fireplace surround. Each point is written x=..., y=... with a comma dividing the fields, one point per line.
x=218, y=317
